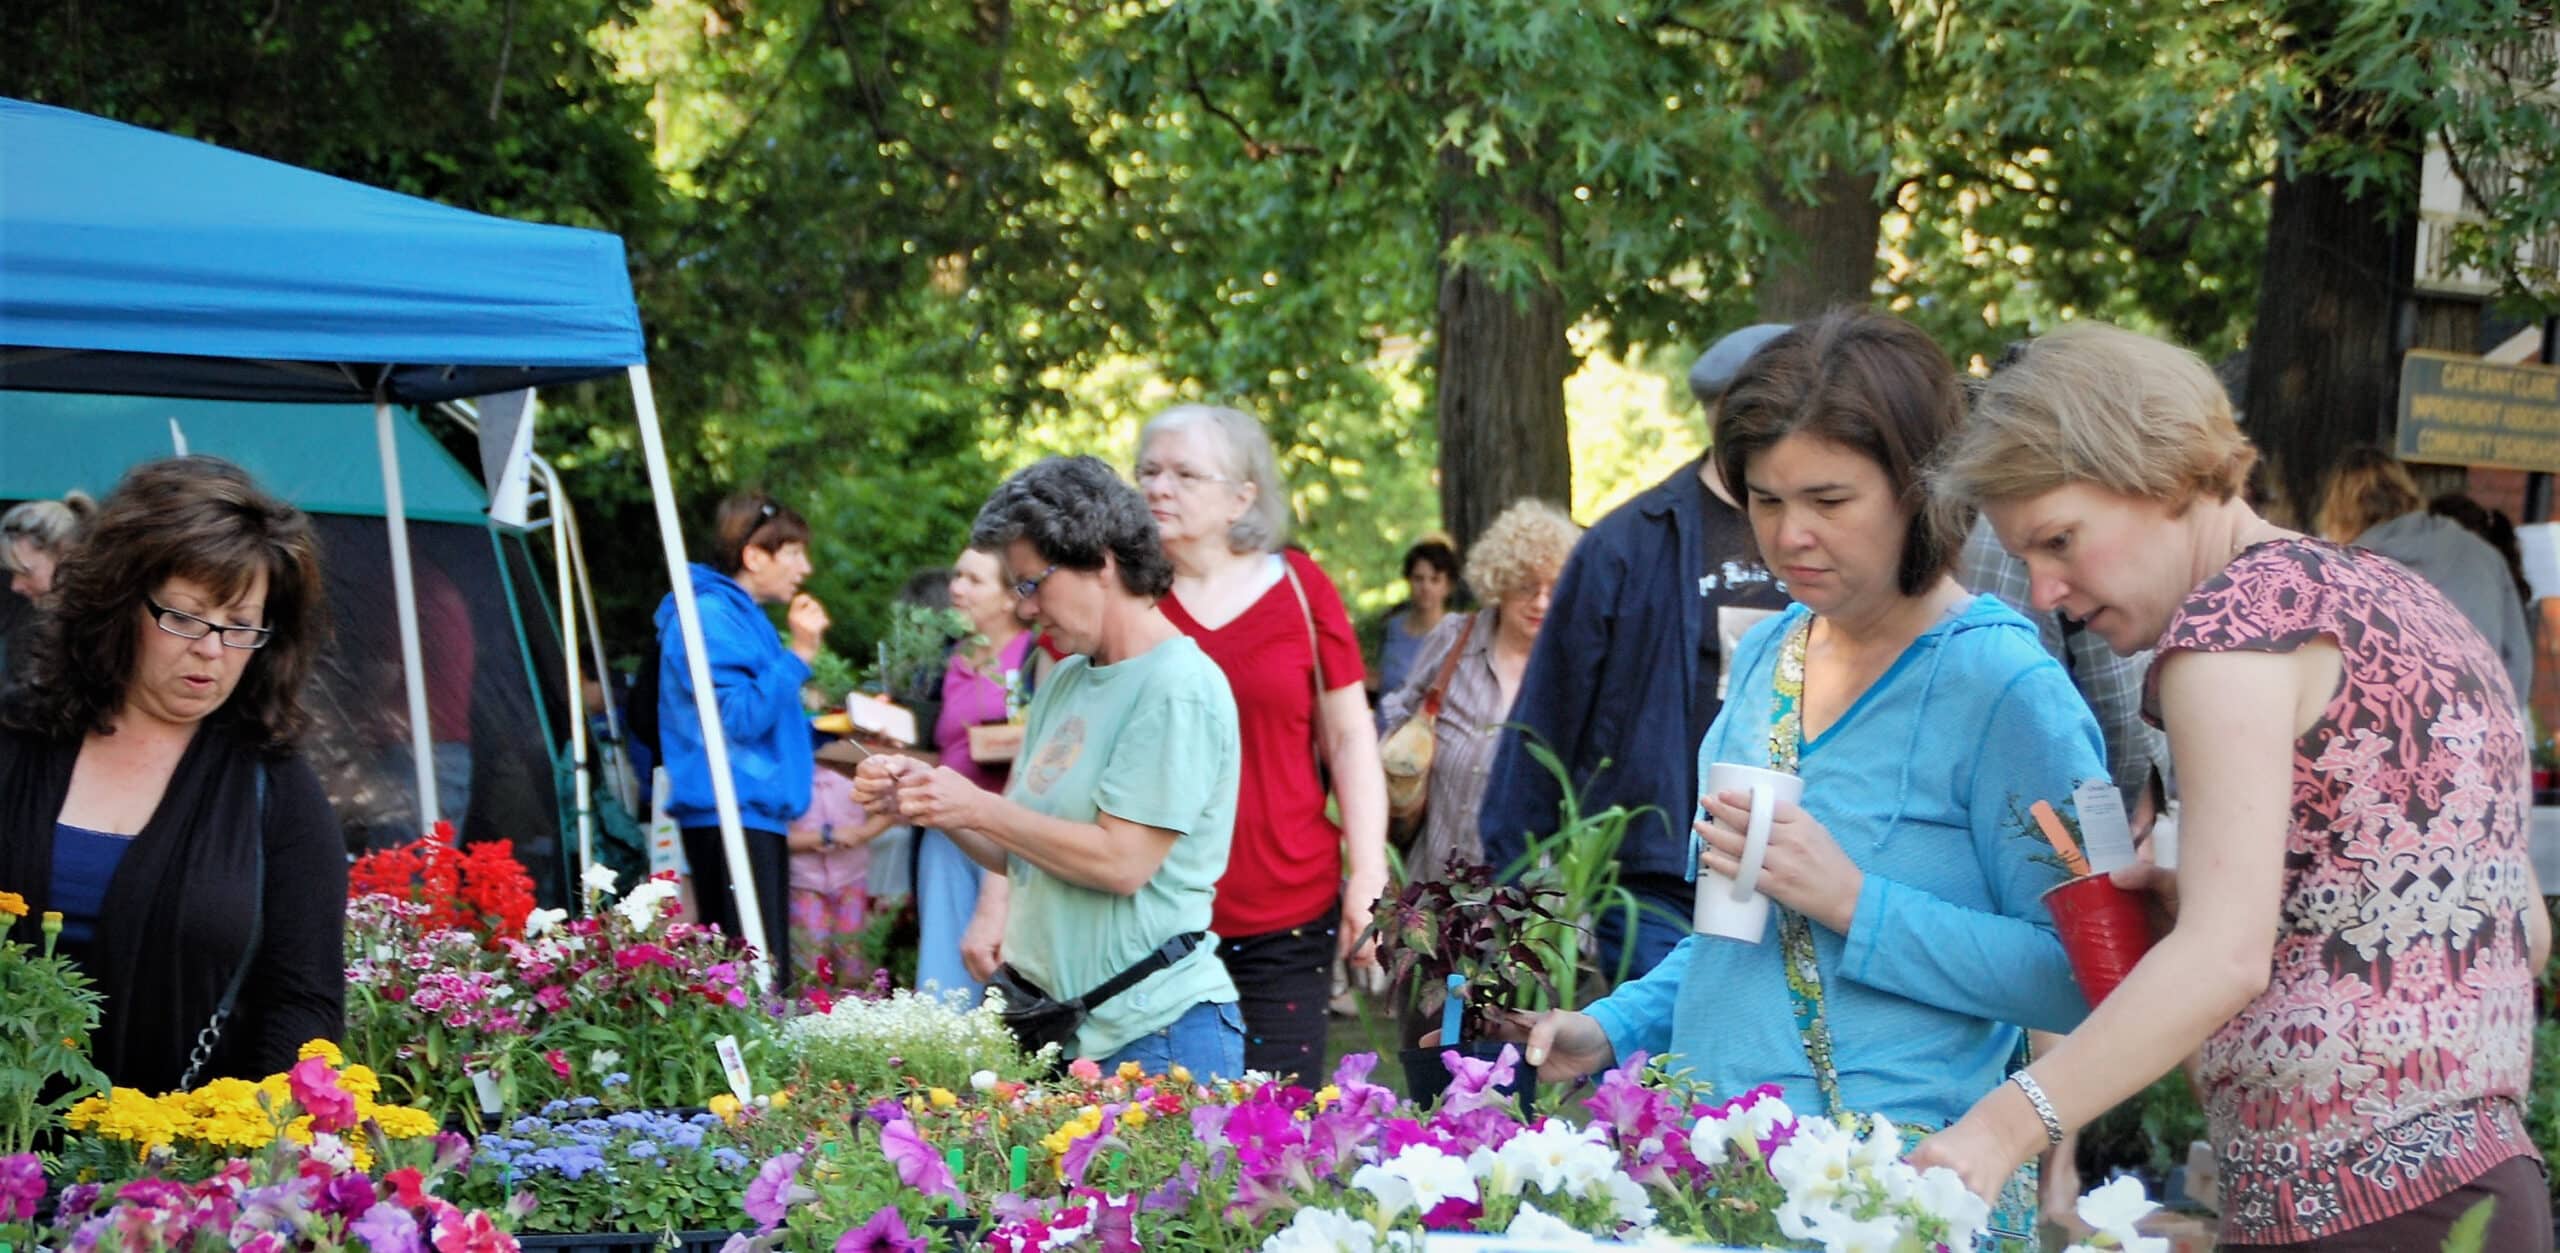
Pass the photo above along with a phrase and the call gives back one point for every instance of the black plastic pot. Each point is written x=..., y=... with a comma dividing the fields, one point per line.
x=1426, y=1076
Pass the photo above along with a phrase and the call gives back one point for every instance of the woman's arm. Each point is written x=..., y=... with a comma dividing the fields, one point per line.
x=297, y=981
x=1360, y=788
x=2232, y=720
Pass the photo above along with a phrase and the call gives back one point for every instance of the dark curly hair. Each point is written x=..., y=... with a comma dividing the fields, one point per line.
x=197, y=518
x=1072, y=511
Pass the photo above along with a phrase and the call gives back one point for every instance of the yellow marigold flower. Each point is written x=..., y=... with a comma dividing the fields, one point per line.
x=725, y=1105
x=1132, y=1072
x=399, y=1122
x=324, y=1048
x=1179, y=1074
x=360, y=1082
x=299, y=1130
x=13, y=904
x=127, y=1115
x=942, y=1098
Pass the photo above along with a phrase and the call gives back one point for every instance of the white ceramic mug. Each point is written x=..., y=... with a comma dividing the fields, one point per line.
x=1735, y=908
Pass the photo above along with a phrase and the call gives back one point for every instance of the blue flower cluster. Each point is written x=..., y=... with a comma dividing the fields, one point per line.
x=569, y=1140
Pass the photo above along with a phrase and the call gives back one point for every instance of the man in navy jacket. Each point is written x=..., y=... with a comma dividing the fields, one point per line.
x=1626, y=676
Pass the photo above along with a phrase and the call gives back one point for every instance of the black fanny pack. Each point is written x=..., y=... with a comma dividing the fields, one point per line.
x=1039, y=1020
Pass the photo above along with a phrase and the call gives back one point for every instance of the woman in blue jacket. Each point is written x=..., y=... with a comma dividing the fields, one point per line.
x=760, y=555
x=1908, y=947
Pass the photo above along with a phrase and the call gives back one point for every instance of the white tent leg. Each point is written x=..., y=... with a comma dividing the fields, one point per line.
x=404, y=590
x=626, y=788
x=715, y=741
x=571, y=667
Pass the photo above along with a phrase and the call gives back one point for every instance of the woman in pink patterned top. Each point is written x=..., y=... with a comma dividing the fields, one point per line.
x=2360, y=926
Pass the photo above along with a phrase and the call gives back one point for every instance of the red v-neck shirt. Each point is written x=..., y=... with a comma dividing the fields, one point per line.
x=1284, y=868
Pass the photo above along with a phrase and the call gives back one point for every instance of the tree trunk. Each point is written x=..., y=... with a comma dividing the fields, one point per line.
x=1829, y=257
x=2324, y=359
x=1500, y=368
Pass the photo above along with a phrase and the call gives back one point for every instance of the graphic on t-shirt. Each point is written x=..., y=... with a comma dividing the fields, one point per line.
x=1057, y=755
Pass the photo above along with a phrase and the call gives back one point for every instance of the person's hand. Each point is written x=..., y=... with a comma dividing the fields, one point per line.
x=799, y=840
x=2058, y=1180
x=1360, y=893
x=808, y=621
x=1981, y=1148
x=940, y=797
x=2145, y=815
x=875, y=781
x=1804, y=869
x=982, y=945
x=1562, y=1044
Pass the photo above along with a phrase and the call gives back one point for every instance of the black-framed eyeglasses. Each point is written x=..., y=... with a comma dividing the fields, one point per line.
x=1030, y=587
x=187, y=626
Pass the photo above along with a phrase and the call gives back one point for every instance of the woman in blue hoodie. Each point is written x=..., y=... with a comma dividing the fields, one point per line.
x=1908, y=947
x=760, y=554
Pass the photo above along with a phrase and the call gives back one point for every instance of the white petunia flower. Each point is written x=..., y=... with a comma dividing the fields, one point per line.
x=1536, y=1226
x=600, y=880
x=2115, y=1207
x=1627, y=1200
x=1556, y=1157
x=1419, y=1178
x=982, y=1081
x=1314, y=1229
x=1941, y=1194
x=542, y=920
x=1840, y=1233
x=1710, y=1141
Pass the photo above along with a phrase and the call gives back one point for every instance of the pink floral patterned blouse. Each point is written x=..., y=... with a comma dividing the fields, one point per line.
x=2385, y=1064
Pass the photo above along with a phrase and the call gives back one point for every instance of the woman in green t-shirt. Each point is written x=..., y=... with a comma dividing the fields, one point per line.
x=1115, y=826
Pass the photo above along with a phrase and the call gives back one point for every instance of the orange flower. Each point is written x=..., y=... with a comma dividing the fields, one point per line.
x=13, y=904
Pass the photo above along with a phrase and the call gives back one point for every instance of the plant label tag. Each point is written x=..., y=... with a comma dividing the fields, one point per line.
x=2104, y=834
x=734, y=1065
x=485, y=1086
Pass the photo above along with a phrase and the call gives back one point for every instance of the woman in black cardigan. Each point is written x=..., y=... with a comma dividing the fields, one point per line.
x=148, y=787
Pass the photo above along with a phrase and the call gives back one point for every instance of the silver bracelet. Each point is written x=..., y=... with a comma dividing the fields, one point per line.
x=2044, y=1108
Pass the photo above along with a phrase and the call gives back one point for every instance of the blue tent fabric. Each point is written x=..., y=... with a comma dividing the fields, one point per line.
x=134, y=261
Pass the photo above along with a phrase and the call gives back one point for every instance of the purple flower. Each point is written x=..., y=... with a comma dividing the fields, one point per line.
x=346, y=1196
x=1115, y=1220
x=885, y=1233
x=1475, y=1083
x=1079, y=1156
x=21, y=1187
x=387, y=1228
x=453, y=1152
x=1359, y=1096
x=1176, y=1192
x=919, y=1167
x=77, y=1199
x=770, y=1194
x=884, y=1111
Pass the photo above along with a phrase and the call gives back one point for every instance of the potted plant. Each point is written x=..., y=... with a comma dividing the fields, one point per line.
x=607, y=1180
x=1492, y=945
x=52, y=1008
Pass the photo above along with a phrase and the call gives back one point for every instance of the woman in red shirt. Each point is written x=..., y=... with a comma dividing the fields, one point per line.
x=1298, y=888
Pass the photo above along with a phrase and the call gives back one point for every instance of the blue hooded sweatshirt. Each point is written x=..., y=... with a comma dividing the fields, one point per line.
x=757, y=682
x=1924, y=782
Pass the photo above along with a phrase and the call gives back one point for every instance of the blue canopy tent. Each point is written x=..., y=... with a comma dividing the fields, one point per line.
x=141, y=263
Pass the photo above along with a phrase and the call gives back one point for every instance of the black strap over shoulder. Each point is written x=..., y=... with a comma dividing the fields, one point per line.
x=1163, y=958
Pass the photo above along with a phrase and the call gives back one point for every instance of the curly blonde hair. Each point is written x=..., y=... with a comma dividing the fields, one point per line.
x=1526, y=542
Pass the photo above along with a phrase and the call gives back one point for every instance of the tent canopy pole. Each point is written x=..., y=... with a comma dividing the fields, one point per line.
x=404, y=591
x=706, y=703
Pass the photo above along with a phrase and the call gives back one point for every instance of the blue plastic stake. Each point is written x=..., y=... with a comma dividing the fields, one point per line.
x=1451, y=1009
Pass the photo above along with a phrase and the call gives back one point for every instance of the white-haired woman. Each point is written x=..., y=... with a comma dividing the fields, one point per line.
x=1298, y=888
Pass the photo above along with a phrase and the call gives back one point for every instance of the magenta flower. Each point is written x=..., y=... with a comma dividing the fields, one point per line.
x=918, y=1166
x=770, y=1193
x=885, y=1233
x=1475, y=1083
x=1115, y=1220
x=315, y=1088
x=21, y=1187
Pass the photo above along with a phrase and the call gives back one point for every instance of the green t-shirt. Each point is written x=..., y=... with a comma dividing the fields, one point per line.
x=1151, y=740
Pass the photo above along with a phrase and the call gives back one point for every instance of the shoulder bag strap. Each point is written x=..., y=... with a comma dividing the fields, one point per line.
x=1315, y=652
x=211, y=1037
x=1448, y=668
x=1171, y=951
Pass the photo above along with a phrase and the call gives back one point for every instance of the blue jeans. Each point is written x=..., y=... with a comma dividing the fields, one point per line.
x=1662, y=921
x=1208, y=1039
x=946, y=897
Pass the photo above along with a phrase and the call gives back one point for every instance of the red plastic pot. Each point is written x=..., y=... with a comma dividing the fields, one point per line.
x=2104, y=929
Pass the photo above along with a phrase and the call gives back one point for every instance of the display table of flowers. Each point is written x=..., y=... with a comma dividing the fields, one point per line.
x=516, y=1078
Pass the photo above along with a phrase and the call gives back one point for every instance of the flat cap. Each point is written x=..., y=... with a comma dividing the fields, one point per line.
x=1716, y=367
